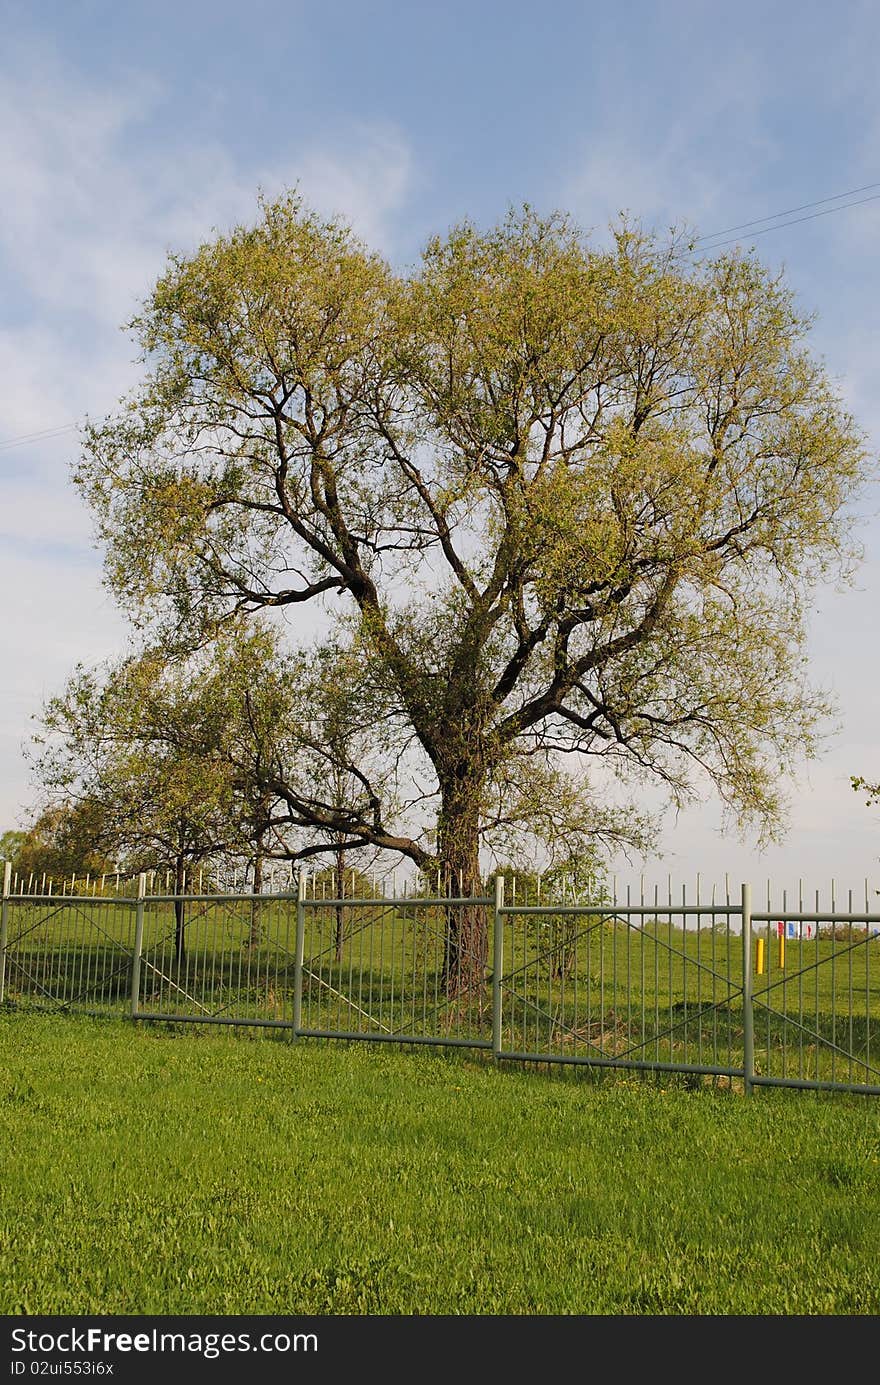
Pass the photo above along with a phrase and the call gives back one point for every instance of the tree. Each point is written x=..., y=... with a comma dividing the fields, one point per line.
x=557, y=502
x=60, y=843
x=330, y=767
x=871, y=791
x=167, y=756
x=11, y=843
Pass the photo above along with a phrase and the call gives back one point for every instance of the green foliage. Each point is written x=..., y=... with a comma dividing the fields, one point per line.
x=64, y=840
x=572, y=878
x=871, y=791
x=353, y=884
x=558, y=503
x=164, y=760
x=11, y=843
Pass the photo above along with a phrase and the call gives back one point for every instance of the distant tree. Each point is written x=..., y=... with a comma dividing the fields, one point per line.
x=11, y=843
x=61, y=842
x=578, y=877
x=340, y=881
x=559, y=502
x=167, y=756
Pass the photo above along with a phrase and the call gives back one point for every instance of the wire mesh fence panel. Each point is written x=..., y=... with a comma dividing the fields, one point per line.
x=218, y=959
x=644, y=986
x=791, y=999
x=397, y=969
x=817, y=995
x=68, y=952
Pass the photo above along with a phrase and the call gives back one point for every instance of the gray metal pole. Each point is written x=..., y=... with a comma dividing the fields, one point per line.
x=298, y=955
x=138, y=946
x=497, y=961
x=748, y=1009
x=4, y=925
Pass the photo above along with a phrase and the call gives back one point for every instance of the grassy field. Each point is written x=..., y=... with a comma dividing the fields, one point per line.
x=148, y=1172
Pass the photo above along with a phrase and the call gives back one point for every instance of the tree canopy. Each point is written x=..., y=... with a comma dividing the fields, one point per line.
x=62, y=841
x=550, y=502
x=166, y=754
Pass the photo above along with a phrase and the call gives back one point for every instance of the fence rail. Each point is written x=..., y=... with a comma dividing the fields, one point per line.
x=709, y=990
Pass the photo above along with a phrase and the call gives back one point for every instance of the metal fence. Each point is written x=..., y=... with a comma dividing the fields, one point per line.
x=713, y=991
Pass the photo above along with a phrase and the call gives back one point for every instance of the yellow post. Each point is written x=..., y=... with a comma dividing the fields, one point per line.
x=782, y=948
x=759, y=960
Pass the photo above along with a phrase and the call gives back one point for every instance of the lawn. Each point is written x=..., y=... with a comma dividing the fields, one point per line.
x=154, y=1172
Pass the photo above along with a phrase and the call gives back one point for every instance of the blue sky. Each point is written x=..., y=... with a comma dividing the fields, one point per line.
x=130, y=129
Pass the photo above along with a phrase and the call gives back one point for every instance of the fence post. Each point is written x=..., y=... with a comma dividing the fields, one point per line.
x=4, y=924
x=748, y=1010
x=497, y=961
x=298, y=955
x=138, y=946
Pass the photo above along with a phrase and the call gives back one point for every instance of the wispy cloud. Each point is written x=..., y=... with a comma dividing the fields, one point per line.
x=664, y=171
x=93, y=202
x=369, y=183
x=91, y=209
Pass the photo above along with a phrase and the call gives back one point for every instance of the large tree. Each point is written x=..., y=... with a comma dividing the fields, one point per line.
x=558, y=500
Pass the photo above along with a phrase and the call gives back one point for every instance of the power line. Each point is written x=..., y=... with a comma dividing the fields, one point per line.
x=790, y=211
x=44, y=434
x=794, y=222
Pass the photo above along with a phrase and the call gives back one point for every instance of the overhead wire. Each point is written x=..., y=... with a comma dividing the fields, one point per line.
x=795, y=221
x=790, y=211
x=45, y=434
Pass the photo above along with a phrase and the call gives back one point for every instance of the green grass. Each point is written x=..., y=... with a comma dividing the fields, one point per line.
x=149, y=1172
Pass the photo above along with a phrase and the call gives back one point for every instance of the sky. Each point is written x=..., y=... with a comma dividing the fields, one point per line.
x=131, y=130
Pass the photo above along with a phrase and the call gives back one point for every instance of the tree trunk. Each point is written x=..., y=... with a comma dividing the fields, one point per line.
x=255, y=935
x=179, y=911
x=340, y=909
x=466, y=936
